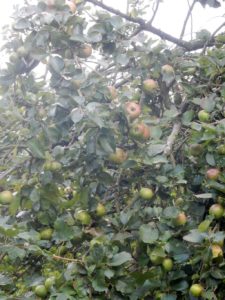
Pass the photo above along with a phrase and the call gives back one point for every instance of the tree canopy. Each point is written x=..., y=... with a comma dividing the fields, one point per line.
x=112, y=158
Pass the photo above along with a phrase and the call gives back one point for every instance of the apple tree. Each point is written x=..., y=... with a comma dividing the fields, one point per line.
x=112, y=182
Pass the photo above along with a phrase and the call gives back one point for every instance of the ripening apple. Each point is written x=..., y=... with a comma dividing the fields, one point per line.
x=196, y=290
x=181, y=219
x=213, y=173
x=150, y=86
x=217, y=251
x=216, y=210
x=100, y=210
x=119, y=156
x=167, y=264
x=203, y=116
x=6, y=197
x=167, y=69
x=140, y=131
x=146, y=193
x=132, y=109
x=84, y=51
x=112, y=92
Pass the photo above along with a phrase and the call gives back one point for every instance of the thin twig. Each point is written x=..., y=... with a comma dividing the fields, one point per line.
x=187, y=18
x=154, y=12
x=212, y=36
x=67, y=259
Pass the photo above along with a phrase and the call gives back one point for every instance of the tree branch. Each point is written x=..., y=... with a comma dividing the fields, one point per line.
x=146, y=26
x=187, y=18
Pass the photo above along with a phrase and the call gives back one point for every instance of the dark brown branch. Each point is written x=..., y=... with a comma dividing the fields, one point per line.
x=187, y=18
x=145, y=26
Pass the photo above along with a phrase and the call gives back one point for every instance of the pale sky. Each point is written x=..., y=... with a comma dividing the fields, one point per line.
x=170, y=16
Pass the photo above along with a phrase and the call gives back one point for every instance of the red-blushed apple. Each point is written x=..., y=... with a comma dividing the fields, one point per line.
x=132, y=110
x=213, y=173
x=112, y=92
x=140, y=131
x=181, y=219
x=72, y=6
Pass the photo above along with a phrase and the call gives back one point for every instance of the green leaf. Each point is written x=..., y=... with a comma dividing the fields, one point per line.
x=5, y=280
x=36, y=148
x=194, y=237
x=155, y=149
x=120, y=258
x=56, y=64
x=148, y=233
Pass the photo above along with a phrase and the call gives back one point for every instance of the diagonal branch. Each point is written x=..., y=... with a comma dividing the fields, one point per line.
x=145, y=26
x=187, y=18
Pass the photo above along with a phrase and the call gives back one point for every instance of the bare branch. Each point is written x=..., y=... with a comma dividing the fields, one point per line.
x=187, y=18
x=155, y=11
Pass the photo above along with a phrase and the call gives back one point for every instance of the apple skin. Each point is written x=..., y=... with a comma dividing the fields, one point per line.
x=41, y=291
x=132, y=110
x=196, y=290
x=100, y=210
x=140, y=131
x=216, y=210
x=217, y=251
x=203, y=116
x=181, y=219
x=85, y=51
x=112, y=92
x=167, y=69
x=150, y=86
x=6, y=197
x=146, y=193
x=118, y=157
x=167, y=264
x=213, y=173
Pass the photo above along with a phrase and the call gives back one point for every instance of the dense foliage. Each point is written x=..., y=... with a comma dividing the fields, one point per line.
x=112, y=157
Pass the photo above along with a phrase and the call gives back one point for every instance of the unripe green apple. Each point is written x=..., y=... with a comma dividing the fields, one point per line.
x=46, y=234
x=167, y=264
x=221, y=149
x=196, y=290
x=196, y=149
x=41, y=291
x=203, y=116
x=213, y=173
x=6, y=197
x=49, y=282
x=83, y=217
x=216, y=210
x=146, y=193
x=100, y=210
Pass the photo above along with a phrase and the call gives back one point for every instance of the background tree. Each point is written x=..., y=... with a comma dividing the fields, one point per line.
x=112, y=156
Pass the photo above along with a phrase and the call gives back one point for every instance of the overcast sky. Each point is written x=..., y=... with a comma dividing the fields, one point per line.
x=170, y=16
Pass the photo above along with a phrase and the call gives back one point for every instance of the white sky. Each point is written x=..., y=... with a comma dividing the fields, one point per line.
x=170, y=18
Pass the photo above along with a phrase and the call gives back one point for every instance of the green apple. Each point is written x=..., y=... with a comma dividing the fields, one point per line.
x=196, y=149
x=46, y=234
x=146, y=193
x=217, y=251
x=167, y=69
x=49, y=282
x=203, y=116
x=216, y=210
x=41, y=291
x=150, y=86
x=167, y=264
x=196, y=290
x=83, y=217
x=6, y=197
x=118, y=157
x=181, y=219
x=100, y=210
